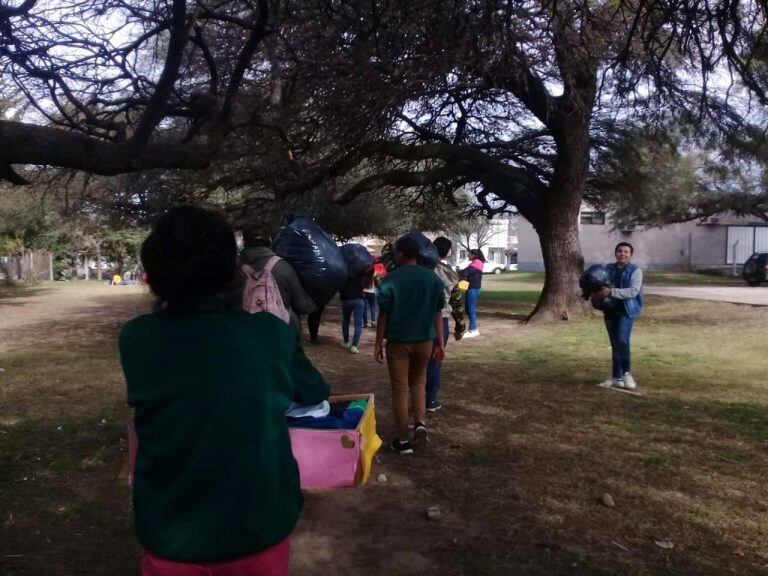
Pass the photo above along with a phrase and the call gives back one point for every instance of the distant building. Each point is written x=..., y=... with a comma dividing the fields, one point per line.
x=499, y=243
x=716, y=243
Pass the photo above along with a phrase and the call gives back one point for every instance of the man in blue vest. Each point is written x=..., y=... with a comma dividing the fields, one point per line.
x=628, y=289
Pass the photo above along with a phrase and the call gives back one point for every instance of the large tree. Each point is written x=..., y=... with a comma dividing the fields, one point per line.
x=511, y=98
x=115, y=86
x=277, y=97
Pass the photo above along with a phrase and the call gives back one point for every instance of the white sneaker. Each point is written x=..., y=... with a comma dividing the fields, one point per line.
x=610, y=383
x=472, y=334
x=629, y=381
x=346, y=345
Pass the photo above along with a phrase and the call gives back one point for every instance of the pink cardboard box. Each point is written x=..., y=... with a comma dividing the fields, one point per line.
x=336, y=458
x=326, y=458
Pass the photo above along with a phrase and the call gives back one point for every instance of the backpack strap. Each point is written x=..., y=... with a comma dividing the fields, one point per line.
x=271, y=263
x=248, y=270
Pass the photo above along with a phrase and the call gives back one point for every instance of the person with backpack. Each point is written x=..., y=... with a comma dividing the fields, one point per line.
x=261, y=270
x=411, y=299
x=454, y=306
x=474, y=275
x=216, y=488
x=628, y=291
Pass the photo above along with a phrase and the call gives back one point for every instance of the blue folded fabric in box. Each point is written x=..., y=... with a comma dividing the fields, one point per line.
x=341, y=416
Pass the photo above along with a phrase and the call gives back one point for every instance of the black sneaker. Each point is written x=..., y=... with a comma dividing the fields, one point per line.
x=434, y=407
x=420, y=435
x=402, y=447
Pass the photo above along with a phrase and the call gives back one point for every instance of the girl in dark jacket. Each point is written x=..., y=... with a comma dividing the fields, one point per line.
x=474, y=275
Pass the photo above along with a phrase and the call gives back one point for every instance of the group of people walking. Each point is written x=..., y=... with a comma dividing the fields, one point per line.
x=404, y=298
x=215, y=487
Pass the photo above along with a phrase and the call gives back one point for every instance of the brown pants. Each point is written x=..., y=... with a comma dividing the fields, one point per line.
x=407, y=362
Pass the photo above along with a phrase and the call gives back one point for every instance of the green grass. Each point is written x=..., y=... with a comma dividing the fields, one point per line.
x=512, y=293
x=690, y=279
x=687, y=459
x=533, y=281
x=520, y=296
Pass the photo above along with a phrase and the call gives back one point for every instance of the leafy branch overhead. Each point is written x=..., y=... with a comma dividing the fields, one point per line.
x=652, y=178
x=518, y=102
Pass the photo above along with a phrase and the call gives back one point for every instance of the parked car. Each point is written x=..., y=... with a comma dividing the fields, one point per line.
x=755, y=270
x=488, y=267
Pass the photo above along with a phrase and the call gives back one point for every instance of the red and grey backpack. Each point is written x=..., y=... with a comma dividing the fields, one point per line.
x=261, y=292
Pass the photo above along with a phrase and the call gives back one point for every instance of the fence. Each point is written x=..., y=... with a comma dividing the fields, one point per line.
x=29, y=266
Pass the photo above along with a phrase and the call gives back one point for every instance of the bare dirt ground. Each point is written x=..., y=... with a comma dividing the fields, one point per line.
x=520, y=456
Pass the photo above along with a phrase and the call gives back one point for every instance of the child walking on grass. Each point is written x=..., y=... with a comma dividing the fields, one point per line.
x=411, y=299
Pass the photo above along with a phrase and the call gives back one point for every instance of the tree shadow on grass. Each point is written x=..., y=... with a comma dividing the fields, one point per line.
x=100, y=319
x=65, y=511
x=518, y=470
x=522, y=509
x=9, y=295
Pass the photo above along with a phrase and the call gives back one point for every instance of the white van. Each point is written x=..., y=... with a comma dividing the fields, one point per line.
x=488, y=267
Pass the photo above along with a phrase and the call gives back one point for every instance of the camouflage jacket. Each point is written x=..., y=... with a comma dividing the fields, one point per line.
x=453, y=296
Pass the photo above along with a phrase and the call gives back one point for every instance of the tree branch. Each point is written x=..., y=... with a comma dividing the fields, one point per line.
x=244, y=60
x=404, y=178
x=155, y=110
x=29, y=144
x=7, y=12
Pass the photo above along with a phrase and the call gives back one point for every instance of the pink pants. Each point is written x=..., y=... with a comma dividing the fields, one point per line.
x=270, y=562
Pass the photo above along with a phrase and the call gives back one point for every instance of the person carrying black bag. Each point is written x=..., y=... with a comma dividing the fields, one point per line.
x=628, y=291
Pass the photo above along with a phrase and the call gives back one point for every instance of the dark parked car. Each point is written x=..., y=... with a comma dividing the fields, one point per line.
x=755, y=270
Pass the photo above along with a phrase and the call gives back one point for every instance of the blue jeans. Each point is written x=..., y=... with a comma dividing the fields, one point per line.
x=370, y=304
x=348, y=308
x=434, y=370
x=619, y=328
x=472, y=295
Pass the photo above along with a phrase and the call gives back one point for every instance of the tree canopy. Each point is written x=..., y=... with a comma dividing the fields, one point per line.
x=513, y=100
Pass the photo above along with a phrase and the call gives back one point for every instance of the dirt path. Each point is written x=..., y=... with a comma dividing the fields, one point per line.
x=348, y=531
x=757, y=296
x=68, y=313
x=351, y=531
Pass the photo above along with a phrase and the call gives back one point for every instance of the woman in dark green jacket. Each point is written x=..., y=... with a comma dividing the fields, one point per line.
x=215, y=479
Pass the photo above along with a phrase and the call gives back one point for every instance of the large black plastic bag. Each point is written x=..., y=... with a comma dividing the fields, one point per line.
x=313, y=254
x=608, y=304
x=357, y=258
x=427, y=252
x=595, y=278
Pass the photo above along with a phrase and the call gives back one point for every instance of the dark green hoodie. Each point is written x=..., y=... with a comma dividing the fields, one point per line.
x=209, y=383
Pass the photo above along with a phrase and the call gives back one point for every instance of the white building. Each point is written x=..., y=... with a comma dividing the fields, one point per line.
x=498, y=242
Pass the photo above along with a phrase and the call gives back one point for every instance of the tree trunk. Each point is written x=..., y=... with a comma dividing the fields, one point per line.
x=5, y=268
x=98, y=262
x=558, y=227
x=563, y=262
